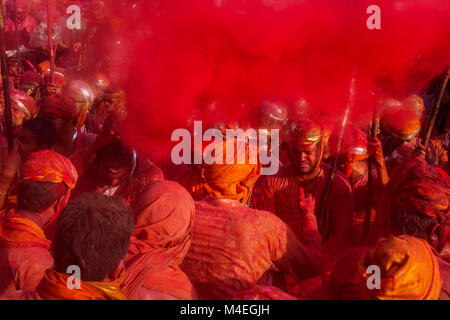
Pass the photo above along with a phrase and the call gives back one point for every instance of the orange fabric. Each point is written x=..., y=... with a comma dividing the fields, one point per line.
x=163, y=232
x=263, y=293
x=54, y=287
x=49, y=166
x=400, y=121
x=171, y=280
x=232, y=181
x=409, y=270
x=20, y=232
x=82, y=116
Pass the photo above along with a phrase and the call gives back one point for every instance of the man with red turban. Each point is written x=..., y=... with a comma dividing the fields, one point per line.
x=23, y=108
x=235, y=247
x=353, y=161
x=46, y=179
x=164, y=219
x=62, y=111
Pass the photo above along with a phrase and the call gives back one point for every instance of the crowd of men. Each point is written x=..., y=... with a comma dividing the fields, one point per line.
x=74, y=195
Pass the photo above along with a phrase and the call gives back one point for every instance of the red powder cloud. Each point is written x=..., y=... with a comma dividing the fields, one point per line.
x=182, y=56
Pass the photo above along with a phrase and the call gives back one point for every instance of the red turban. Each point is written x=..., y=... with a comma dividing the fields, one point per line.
x=60, y=79
x=25, y=103
x=58, y=106
x=354, y=143
x=31, y=76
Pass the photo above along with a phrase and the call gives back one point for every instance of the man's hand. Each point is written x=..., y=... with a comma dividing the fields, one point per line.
x=307, y=207
x=420, y=151
x=375, y=150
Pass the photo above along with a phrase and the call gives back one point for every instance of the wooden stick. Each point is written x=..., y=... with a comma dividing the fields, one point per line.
x=5, y=78
x=436, y=108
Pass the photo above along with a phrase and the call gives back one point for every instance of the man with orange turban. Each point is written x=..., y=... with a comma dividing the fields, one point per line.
x=87, y=271
x=408, y=270
x=164, y=219
x=235, y=247
x=416, y=202
x=46, y=179
x=400, y=128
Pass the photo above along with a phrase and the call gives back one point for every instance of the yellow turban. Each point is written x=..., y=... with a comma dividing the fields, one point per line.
x=232, y=181
x=409, y=270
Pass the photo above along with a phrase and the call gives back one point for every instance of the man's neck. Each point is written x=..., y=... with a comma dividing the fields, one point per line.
x=39, y=218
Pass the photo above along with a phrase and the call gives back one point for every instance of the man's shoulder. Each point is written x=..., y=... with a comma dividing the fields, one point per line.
x=240, y=215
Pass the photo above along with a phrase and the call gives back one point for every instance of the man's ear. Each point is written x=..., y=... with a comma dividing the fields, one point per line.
x=117, y=270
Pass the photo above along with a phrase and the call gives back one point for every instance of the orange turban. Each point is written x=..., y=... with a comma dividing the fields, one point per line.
x=49, y=166
x=400, y=122
x=409, y=270
x=232, y=181
x=416, y=104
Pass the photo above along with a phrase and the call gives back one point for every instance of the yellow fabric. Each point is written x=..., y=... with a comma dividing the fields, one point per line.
x=54, y=287
x=232, y=181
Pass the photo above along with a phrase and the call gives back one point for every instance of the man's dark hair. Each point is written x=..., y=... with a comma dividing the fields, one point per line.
x=408, y=222
x=43, y=129
x=35, y=196
x=93, y=233
x=115, y=155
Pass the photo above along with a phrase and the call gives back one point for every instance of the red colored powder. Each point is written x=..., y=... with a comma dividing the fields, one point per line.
x=184, y=56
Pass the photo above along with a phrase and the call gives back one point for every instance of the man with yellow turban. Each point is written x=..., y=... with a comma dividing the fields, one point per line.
x=408, y=269
x=46, y=179
x=396, y=268
x=234, y=246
